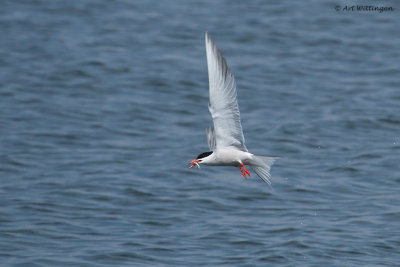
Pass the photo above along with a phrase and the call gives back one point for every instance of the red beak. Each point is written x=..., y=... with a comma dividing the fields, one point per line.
x=194, y=163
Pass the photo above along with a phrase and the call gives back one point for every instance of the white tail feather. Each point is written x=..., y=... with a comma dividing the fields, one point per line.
x=261, y=166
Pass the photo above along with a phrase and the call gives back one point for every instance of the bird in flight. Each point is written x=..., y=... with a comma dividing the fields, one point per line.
x=226, y=140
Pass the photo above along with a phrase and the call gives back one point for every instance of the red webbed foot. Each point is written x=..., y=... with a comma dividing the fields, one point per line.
x=244, y=174
x=244, y=168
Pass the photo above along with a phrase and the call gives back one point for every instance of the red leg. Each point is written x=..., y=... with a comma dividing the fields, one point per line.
x=244, y=175
x=244, y=168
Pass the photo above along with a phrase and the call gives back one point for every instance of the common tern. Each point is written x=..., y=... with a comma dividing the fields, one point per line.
x=226, y=140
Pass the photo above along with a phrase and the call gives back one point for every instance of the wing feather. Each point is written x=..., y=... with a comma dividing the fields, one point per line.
x=223, y=104
x=211, y=138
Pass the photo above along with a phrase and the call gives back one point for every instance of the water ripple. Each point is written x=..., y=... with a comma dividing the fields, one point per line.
x=105, y=103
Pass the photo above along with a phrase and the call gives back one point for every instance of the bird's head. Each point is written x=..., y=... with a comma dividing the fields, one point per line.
x=200, y=159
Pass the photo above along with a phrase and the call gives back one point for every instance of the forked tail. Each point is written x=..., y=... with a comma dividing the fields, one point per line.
x=262, y=165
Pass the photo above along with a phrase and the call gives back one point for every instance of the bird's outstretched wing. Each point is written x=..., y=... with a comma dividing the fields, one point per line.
x=223, y=104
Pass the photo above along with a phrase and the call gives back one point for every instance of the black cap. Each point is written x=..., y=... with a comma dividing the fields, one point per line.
x=204, y=154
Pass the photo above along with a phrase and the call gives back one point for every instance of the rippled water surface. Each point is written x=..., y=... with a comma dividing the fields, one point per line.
x=103, y=104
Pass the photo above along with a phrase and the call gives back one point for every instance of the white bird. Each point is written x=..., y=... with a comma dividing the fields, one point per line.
x=226, y=140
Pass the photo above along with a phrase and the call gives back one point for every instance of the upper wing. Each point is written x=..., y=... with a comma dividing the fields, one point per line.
x=223, y=104
x=211, y=138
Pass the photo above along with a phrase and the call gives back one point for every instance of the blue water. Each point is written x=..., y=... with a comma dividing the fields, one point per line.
x=104, y=103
